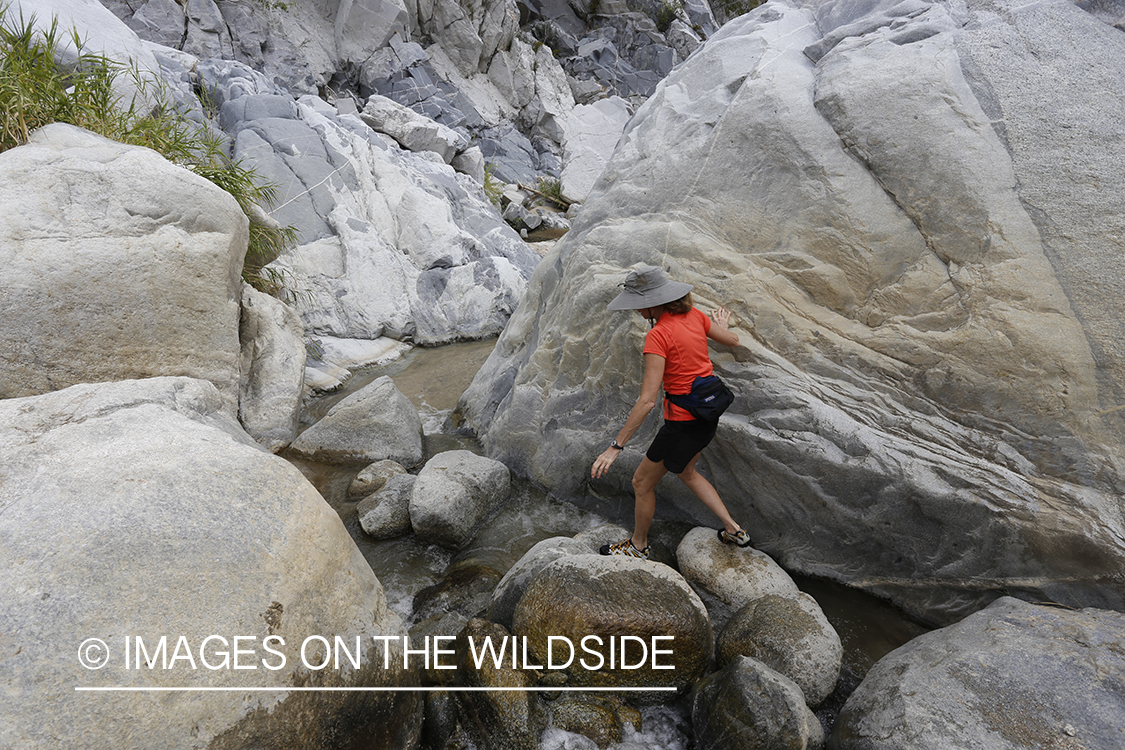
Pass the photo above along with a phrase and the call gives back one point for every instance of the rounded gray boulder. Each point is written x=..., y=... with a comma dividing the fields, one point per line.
x=790, y=635
x=374, y=423
x=456, y=493
x=1012, y=676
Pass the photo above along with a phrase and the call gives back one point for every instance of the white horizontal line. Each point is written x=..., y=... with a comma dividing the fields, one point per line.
x=359, y=689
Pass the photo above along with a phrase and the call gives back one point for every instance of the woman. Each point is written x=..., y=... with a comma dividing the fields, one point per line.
x=675, y=353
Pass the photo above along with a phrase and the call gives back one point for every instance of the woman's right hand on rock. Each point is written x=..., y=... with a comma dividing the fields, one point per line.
x=603, y=462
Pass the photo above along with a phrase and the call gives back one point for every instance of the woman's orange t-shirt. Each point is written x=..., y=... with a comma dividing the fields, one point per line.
x=682, y=341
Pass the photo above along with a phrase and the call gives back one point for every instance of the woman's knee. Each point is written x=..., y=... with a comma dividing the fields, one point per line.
x=647, y=475
x=642, y=482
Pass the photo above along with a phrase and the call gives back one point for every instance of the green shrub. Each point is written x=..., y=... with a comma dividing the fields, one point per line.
x=35, y=90
x=668, y=12
x=725, y=10
x=551, y=189
x=493, y=188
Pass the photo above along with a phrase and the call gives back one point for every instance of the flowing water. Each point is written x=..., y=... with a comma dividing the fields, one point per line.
x=419, y=578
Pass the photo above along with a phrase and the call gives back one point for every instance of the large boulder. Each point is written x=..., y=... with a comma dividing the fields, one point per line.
x=512, y=586
x=733, y=575
x=115, y=264
x=912, y=238
x=1014, y=675
x=100, y=33
x=748, y=706
x=580, y=611
x=456, y=493
x=374, y=423
x=137, y=511
x=790, y=635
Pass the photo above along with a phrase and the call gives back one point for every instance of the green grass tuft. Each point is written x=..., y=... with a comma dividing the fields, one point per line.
x=35, y=90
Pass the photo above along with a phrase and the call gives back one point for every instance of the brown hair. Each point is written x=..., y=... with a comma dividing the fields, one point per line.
x=680, y=306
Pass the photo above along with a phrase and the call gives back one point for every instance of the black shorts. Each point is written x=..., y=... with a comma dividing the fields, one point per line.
x=677, y=443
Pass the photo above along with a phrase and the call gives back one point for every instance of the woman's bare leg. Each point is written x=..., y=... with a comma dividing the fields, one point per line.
x=644, y=486
x=706, y=494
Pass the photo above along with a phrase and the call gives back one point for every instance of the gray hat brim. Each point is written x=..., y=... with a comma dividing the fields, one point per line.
x=648, y=287
x=630, y=299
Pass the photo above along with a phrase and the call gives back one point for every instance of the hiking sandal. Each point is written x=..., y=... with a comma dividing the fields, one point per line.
x=740, y=537
x=625, y=547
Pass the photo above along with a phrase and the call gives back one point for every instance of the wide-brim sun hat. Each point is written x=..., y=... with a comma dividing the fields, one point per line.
x=647, y=286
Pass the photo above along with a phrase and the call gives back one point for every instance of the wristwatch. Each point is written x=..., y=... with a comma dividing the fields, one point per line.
x=615, y=445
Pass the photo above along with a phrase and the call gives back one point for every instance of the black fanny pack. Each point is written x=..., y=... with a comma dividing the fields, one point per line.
x=708, y=399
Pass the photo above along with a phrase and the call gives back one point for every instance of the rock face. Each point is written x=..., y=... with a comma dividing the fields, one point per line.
x=592, y=133
x=390, y=242
x=374, y=423
x=1014, y=675
x=918, y=262
x=581, y=596
x=273, y=369
x=140, y=509
x=116, y=264
x=457, y=492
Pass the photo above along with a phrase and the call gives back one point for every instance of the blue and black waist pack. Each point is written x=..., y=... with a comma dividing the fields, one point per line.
x=708, y=399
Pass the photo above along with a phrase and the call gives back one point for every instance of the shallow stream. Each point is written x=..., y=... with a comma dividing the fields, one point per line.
x=421, y=579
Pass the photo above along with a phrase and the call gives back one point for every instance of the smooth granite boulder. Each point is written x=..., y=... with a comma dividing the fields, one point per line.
x=915, y=242
x=114, y=264
x=733, y=575
x=456, y=493
x=579, y=607
x=374, y=423
x=790, y=635
x=748, y=706
x=1013, y=675
x=140, y=514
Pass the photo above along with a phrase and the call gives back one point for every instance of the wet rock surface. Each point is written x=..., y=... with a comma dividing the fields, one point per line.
x=611, y=598
x=748, y=705
x=791, y=636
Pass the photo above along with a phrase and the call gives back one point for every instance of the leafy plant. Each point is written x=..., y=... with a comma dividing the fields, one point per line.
x=35, y=90
x=551, y=189
x=725, y=10
x=668, y=12
x=493, y=187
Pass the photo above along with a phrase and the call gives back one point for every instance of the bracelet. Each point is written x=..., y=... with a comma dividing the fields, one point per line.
x=615, y=445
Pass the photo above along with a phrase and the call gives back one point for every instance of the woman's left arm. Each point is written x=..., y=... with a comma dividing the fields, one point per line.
x=650, y=393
